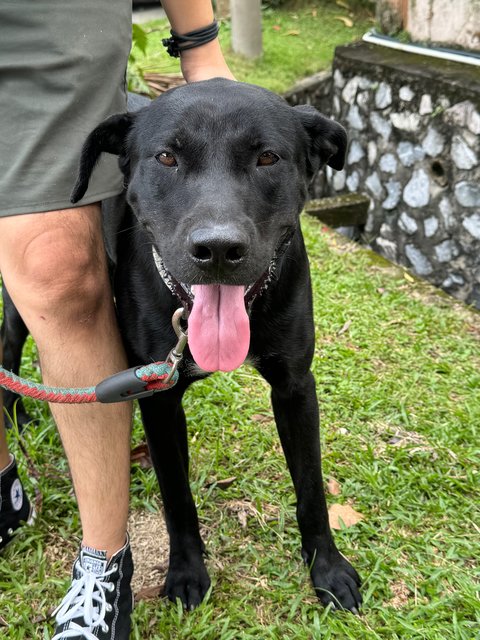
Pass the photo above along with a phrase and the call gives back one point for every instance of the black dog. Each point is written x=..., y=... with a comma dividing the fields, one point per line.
x=13, y=333
x=216, y=176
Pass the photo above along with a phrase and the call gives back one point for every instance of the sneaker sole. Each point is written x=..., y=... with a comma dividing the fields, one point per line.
x=32, y=516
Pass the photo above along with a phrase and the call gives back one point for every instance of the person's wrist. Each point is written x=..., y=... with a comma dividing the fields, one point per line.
x=204, y=62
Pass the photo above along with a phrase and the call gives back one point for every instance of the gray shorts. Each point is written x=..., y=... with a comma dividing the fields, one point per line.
x=62, y=71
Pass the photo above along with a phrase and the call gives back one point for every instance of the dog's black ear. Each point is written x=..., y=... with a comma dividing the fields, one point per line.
x=328, y=139
x=108, y=137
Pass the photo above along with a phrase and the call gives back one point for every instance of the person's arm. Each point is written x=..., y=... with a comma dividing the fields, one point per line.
x=203, y=62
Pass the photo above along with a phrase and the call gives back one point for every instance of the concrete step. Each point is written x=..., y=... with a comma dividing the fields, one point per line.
x=345, y=210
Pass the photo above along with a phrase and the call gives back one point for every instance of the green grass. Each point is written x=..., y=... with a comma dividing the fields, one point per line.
x=296, y=44
x=399, y=397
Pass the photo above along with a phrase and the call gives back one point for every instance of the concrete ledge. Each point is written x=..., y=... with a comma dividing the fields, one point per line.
x=447, y=77
x=346, y=210
x=316, y=90
x=309, y=84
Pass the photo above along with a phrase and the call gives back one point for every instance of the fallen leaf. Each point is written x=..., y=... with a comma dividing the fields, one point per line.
x=342, y=3
x=343, y=513
x=314, y=13
x=408, y=277
x=39, y=619
x=221, y=484
x=293, y=32
x=148, y=593
x=245, y=509
x=44, y=617
x=276, y=27
x=141, y=454
x=345, y=328
x=333, y=487
x=346, y=21
x=259, y=417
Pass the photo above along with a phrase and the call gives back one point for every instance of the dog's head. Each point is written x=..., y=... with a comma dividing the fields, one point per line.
x=217, y=172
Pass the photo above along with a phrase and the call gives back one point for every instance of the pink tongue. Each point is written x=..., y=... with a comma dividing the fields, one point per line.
x=218, y=327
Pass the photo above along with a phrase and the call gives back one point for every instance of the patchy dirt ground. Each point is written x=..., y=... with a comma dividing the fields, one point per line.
x=149, y=540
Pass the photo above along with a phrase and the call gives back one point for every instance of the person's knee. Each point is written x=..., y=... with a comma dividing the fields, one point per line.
x=63, y=274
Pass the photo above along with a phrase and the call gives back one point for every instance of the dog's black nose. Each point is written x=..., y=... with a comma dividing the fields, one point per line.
x=218, y=246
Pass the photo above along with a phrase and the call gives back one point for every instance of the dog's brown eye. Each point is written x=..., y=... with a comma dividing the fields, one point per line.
x=167, y=159
x=267, y=158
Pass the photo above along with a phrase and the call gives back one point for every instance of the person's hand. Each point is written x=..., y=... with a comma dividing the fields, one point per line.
x=205, y=62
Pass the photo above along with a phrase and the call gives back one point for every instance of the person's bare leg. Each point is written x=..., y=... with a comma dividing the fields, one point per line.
x=55, y=268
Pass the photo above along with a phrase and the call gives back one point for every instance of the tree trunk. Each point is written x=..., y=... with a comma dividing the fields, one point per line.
x=222, y=9
x=391, y=15
x=246, y=27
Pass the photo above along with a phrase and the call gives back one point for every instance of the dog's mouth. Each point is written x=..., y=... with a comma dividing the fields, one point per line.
x=218, y=314
x=186, y=292
x=218, y=317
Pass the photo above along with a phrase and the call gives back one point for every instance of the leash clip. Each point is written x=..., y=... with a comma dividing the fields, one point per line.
x=127, y=385
x=176, y=354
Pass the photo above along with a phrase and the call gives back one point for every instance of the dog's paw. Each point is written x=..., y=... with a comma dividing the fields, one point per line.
x=336, y=583
x=188, y=581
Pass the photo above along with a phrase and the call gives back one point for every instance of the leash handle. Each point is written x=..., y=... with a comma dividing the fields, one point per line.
x=131, y=384
x=136, y=382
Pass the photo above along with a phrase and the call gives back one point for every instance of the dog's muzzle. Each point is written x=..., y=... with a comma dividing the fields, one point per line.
x=252, y=291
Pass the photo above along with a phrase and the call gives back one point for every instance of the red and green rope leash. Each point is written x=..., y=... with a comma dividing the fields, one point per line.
x=133, y=383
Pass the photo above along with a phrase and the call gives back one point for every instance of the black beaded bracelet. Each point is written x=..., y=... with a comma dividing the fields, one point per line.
x=181, y=42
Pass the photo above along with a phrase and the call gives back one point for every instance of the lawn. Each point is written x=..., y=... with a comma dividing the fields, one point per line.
x=397, y=366
x=398, y=372
x=296, y=43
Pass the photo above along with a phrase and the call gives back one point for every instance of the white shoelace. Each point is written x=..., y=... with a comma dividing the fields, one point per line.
x=85, y=599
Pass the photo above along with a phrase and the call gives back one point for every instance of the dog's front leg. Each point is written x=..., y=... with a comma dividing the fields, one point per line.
x=13, y=334
x=296, y=415
x=165, y=426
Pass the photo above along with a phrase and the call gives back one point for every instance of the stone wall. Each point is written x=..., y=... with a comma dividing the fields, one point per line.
x=414, y=130
x=317, y=91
